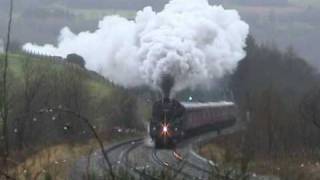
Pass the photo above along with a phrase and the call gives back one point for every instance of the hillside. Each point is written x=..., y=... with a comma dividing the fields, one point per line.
x=32, y=80
x=96, y=83
x=40, y=132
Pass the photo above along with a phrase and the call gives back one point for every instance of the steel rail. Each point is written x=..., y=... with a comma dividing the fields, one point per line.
x=128, y=165
x=166, y=165
x=188, y=163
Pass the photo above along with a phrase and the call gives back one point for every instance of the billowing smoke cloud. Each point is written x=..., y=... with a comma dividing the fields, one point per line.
x=189, y=40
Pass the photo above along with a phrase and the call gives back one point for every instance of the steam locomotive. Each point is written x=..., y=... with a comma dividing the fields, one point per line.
x=173, y=121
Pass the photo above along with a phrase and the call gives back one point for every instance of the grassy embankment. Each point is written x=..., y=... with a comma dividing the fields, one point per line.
x=95, y=83
x=299, y=166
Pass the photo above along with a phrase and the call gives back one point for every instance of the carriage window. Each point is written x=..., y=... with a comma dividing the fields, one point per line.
x=208, y=114
x=213, y=112
x=217, y=112
x=190, y=116
x=194, y=116
x=205, y=114
x=223, y=111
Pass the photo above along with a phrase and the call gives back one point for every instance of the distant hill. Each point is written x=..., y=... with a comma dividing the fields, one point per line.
x=296, y=24
x=159, y=4
x=139, y=4
x=263, y=2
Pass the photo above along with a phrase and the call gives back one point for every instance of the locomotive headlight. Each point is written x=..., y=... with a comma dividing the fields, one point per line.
x=165, y=128
x=165, y=131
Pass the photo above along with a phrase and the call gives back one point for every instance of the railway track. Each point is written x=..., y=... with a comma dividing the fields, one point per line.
x=139, y=160
x=123, y=155
x=179, y=166
x=124, y=159
x=142, y=174
x=132, y=168
x=99, y=164
x=187, y=162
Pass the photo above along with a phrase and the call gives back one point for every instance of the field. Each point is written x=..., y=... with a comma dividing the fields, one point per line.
x=94, y=14
x=313, y=3
x=89, y=14
x=58, y=160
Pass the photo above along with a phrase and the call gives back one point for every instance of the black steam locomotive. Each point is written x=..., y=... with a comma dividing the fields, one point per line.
x=172, y=121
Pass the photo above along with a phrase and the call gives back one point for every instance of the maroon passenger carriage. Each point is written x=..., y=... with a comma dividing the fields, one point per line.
x=202, y=117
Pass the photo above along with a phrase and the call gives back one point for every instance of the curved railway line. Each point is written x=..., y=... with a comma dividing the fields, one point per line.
x=134, y=171
x=138, y=160
x=131, y=168
x=175, y=166
x=177, y=170
x=125, y=156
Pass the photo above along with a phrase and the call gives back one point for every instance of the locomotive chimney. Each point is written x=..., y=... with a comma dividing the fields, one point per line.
x=166, y=84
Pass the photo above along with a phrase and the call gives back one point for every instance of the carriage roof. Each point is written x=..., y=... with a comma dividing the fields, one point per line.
x=195, y=105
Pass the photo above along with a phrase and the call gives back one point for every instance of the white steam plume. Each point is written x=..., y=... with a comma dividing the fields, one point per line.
x=190, y=40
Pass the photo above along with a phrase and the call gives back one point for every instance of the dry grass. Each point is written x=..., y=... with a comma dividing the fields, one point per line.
x=213, y=152
x=56, y=161
x=292, y=167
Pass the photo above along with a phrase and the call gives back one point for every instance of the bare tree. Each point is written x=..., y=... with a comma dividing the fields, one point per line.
x=310, y=107
x=33, y=79
x=4, y=94
x=92, y=129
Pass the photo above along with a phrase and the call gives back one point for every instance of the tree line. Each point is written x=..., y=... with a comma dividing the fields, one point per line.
x=278, y=93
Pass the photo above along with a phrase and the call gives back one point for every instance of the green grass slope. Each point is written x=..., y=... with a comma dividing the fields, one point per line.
x=96, y=83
